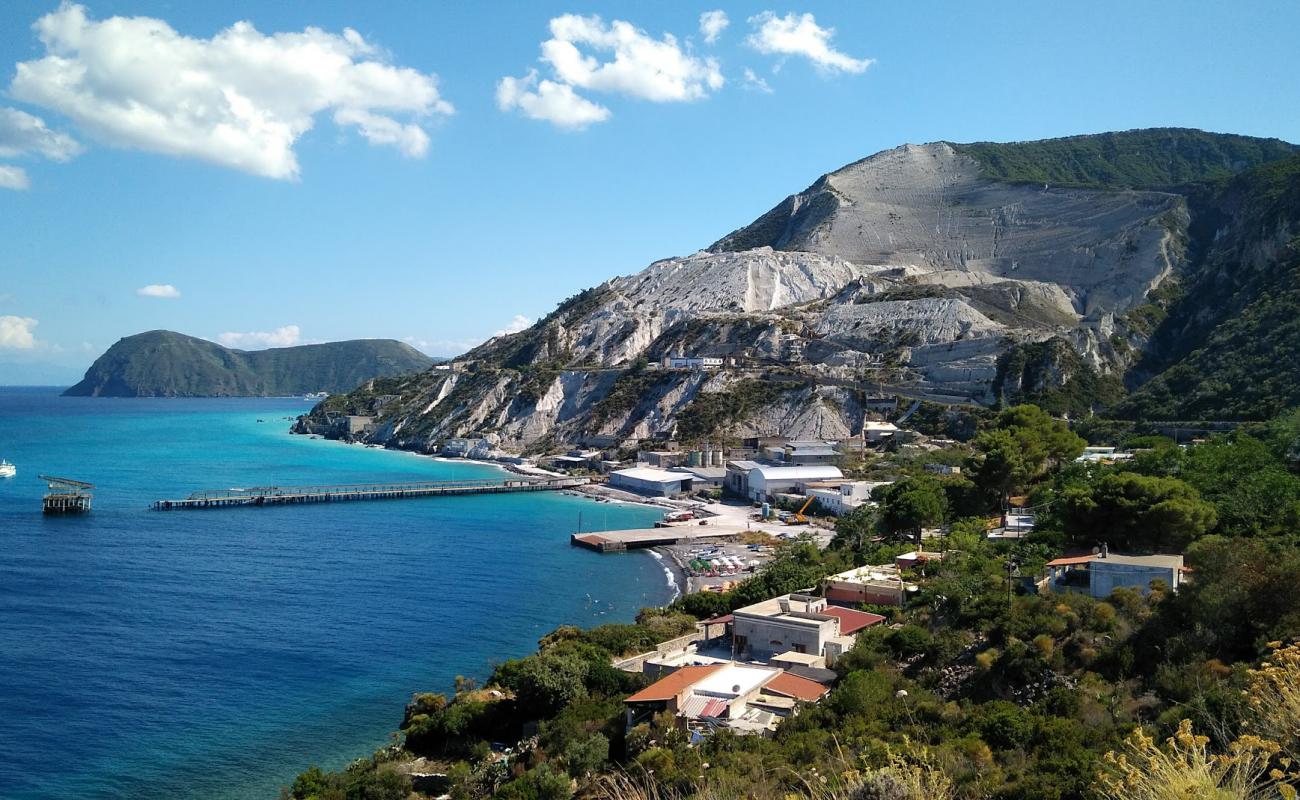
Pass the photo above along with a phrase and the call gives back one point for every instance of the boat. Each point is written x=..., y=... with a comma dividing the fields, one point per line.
x=315, y=395
x=7, y=470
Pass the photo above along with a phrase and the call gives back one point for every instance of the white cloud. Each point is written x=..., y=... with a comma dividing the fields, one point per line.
x=21, y=134
x=164, y=290
x=553, y=102
x=441, y=347
x=800, y=35
x=638, y=66
x=241, y=99
x=13, y=178
x=756, y=83
x=409, y=138
x=712, y=24
x=16, y=333
x=517, y=325
x=287, y=336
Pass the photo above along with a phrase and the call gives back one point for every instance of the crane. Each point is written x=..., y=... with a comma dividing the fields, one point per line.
x=799, y=518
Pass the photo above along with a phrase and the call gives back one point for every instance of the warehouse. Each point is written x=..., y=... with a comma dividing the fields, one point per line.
x=651, y=482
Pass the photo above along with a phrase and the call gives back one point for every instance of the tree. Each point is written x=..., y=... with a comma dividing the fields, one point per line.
x=1002, y=465
x=1023, y=444
x=548, y=682
x=853, y=529
x=1138, y=512
x=911, y=504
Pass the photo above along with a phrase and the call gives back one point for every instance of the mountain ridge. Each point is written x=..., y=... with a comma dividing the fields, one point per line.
x=924, y=268
x=163, y=363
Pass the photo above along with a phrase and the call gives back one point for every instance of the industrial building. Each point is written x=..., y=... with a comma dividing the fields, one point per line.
x=755, y=481
x=651, y=482
x=841, y=497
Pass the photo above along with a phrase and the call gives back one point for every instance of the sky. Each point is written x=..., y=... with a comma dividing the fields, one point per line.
x=264, y=174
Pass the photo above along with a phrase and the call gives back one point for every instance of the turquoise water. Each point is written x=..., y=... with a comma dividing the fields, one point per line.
x=215, y=654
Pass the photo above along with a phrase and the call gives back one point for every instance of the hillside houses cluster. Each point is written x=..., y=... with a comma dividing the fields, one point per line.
x=748, y=670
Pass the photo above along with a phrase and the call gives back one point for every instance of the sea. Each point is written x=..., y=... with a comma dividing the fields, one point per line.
x=216, y=654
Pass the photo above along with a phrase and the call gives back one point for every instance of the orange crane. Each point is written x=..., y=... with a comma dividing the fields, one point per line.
x=799, y=518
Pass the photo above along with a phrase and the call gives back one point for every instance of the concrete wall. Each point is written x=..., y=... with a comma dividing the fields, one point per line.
x=769, y=636
x=1105, y=578
x=651, y=488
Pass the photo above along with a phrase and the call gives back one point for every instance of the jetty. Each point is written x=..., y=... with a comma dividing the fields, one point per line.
x=620, y=541
x=66, y=496
x=259, y=496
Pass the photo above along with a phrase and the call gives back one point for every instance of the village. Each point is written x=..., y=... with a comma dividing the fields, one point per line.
x=729, y=510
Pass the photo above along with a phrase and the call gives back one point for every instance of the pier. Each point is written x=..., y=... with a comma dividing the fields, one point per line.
x=259, y=496
x=66, y=496
x=620, y=541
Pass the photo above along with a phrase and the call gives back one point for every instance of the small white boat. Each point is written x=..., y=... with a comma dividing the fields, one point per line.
x=7, y=470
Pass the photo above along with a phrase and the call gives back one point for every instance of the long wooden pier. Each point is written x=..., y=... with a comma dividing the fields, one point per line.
x=292, y=495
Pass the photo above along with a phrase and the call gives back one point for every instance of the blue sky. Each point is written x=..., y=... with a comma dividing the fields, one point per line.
x=410, y=200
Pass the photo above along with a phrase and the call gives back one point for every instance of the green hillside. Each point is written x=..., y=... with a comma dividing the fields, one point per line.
x=1154, y=158
x=169, y=364
x=1229, y=345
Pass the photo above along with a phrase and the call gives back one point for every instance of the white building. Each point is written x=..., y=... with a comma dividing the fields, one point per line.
x=876, y=431
x=799, y=624
x=1101, y=573
x=756, y=481
x=843, y=498
x=653, y=482
x=693, y=362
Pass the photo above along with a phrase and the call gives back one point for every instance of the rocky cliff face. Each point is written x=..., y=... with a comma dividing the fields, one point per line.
x=917, y=269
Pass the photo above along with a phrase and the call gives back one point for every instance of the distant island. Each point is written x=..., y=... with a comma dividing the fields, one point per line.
x=169, y=364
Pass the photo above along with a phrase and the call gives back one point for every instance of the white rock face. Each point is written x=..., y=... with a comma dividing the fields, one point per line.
x=927, y=205
x=752, y=281
x=878, y=326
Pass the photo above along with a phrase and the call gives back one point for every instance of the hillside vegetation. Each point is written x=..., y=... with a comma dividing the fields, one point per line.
x=1155, y=158
x=169, y=364
x=1226, y=347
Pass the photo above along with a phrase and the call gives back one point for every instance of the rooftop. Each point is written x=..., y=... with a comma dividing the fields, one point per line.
x=868, y=575
x=852, y=621
x=1165, y=561
x=793, y=657
x=732, y=680
x=796, y=687
x=870, y=425
x=670, y=686
x=650, y=474
x=798, y=473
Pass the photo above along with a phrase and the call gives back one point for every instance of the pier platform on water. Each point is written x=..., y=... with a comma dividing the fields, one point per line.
x=66, y=496
x=292, y=495
x=619, y=541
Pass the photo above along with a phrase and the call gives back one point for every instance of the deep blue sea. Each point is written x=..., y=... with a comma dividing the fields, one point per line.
x=215, y=654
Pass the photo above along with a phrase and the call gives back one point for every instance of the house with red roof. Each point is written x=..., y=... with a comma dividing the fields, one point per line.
x=744, y=698
x=796, y=623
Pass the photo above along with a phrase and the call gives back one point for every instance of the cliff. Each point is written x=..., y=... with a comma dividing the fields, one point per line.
x=169, y=364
